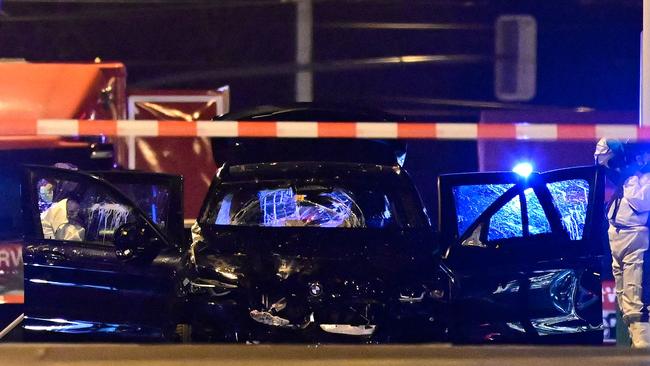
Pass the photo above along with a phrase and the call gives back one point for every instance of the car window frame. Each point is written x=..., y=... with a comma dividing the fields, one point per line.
x=174, y=230
x=593, y=175
x=31, y=216
x=420, y=220
x=543, y=195
x=448, y=217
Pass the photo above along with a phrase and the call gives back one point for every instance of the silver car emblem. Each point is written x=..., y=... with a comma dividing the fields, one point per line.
x=315, y=289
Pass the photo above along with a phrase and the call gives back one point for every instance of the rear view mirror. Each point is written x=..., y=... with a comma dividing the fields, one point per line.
x=134, y=240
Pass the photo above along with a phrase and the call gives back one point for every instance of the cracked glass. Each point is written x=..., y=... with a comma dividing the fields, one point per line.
x=570, y=198
x=472, y=200
x=537, y=220
x=507, y=222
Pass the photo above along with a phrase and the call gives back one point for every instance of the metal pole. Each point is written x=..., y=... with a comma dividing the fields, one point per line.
x=304, y=40
x=644, y=117
x=130, y=140
x=12, y=325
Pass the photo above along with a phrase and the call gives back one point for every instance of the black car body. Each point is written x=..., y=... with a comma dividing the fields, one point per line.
x=85, y=154
x=299, y=250
x=495, y=272
x=523, y=255
x=318, y=240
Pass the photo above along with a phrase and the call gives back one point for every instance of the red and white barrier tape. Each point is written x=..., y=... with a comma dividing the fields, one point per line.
x=384, y=130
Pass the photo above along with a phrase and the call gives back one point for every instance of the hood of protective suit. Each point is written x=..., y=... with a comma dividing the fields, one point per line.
x=607, y=152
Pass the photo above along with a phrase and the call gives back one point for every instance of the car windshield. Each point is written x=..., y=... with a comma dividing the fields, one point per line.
x=275, y=204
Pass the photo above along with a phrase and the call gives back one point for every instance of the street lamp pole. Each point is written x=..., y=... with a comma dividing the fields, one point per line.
x=304, y=48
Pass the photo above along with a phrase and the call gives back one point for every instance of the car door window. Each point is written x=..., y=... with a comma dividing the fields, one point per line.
x=472, y=200
x=571, y=199
x=74, y=210
x=507, y=221
x=537, y=221
x=152, y=199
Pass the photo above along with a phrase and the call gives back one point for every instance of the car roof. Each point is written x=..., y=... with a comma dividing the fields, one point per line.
x=261, y=150
x=309, y=169
x=311, y=112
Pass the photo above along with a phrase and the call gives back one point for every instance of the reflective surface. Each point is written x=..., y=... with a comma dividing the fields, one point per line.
x=532, y=283
x=472, y=200
x=533, y=274
x=570, y=197
x=303, y=204
x=537, y=220
x=507, y=222
x=346, y=257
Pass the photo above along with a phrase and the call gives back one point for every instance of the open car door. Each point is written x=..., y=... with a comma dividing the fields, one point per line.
x=101, y=259
x=523, y=255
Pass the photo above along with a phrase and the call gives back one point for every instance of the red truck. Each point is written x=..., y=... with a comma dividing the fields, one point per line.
x=48, y=90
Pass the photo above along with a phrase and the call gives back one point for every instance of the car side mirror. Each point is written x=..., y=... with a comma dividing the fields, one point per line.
x=134, y=240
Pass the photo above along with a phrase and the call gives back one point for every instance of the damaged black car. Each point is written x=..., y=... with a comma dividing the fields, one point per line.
x=307, y=245
x=294, y=251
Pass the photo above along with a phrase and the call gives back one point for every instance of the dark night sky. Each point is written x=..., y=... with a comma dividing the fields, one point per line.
x=587, y=55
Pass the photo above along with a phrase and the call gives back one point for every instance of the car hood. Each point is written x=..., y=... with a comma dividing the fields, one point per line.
x=271, y=254
x=333, y=243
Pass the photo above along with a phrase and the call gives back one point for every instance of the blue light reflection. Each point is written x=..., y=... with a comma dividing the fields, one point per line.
x=537, y=220
x=571, y=198
x=507, y=223
x=472, y=200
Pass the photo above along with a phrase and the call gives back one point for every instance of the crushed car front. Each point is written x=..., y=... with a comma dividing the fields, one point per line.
x=312, y=251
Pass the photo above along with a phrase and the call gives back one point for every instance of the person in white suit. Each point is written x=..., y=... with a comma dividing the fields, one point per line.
x=629, y=236
x=60, y=220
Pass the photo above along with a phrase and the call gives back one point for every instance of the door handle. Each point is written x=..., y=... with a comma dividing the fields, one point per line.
x=51, y=254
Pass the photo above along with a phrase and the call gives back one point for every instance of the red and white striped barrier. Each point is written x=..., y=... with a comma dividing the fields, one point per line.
x=271, y=129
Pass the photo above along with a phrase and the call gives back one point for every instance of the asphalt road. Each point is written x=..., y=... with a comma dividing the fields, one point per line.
x=196, y=355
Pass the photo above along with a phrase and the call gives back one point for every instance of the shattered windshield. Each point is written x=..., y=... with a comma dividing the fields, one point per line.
x=306, y=205
x=323, y=208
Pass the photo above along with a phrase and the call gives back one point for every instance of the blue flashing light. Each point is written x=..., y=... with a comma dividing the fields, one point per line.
x=523, y=169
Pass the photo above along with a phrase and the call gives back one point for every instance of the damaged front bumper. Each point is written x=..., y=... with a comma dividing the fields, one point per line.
x=347, y=329
x=226, y=318
x=268, y=318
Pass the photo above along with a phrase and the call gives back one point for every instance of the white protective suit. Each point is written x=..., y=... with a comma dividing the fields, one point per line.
x=56, y=225
x=629, y=240
x=53, y=218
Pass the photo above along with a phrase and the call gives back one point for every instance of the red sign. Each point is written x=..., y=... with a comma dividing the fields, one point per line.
x=609, y=295
x=11, y=257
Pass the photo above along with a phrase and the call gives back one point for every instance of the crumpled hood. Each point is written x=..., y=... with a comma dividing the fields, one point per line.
x=257, y=256
x=290, y=277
